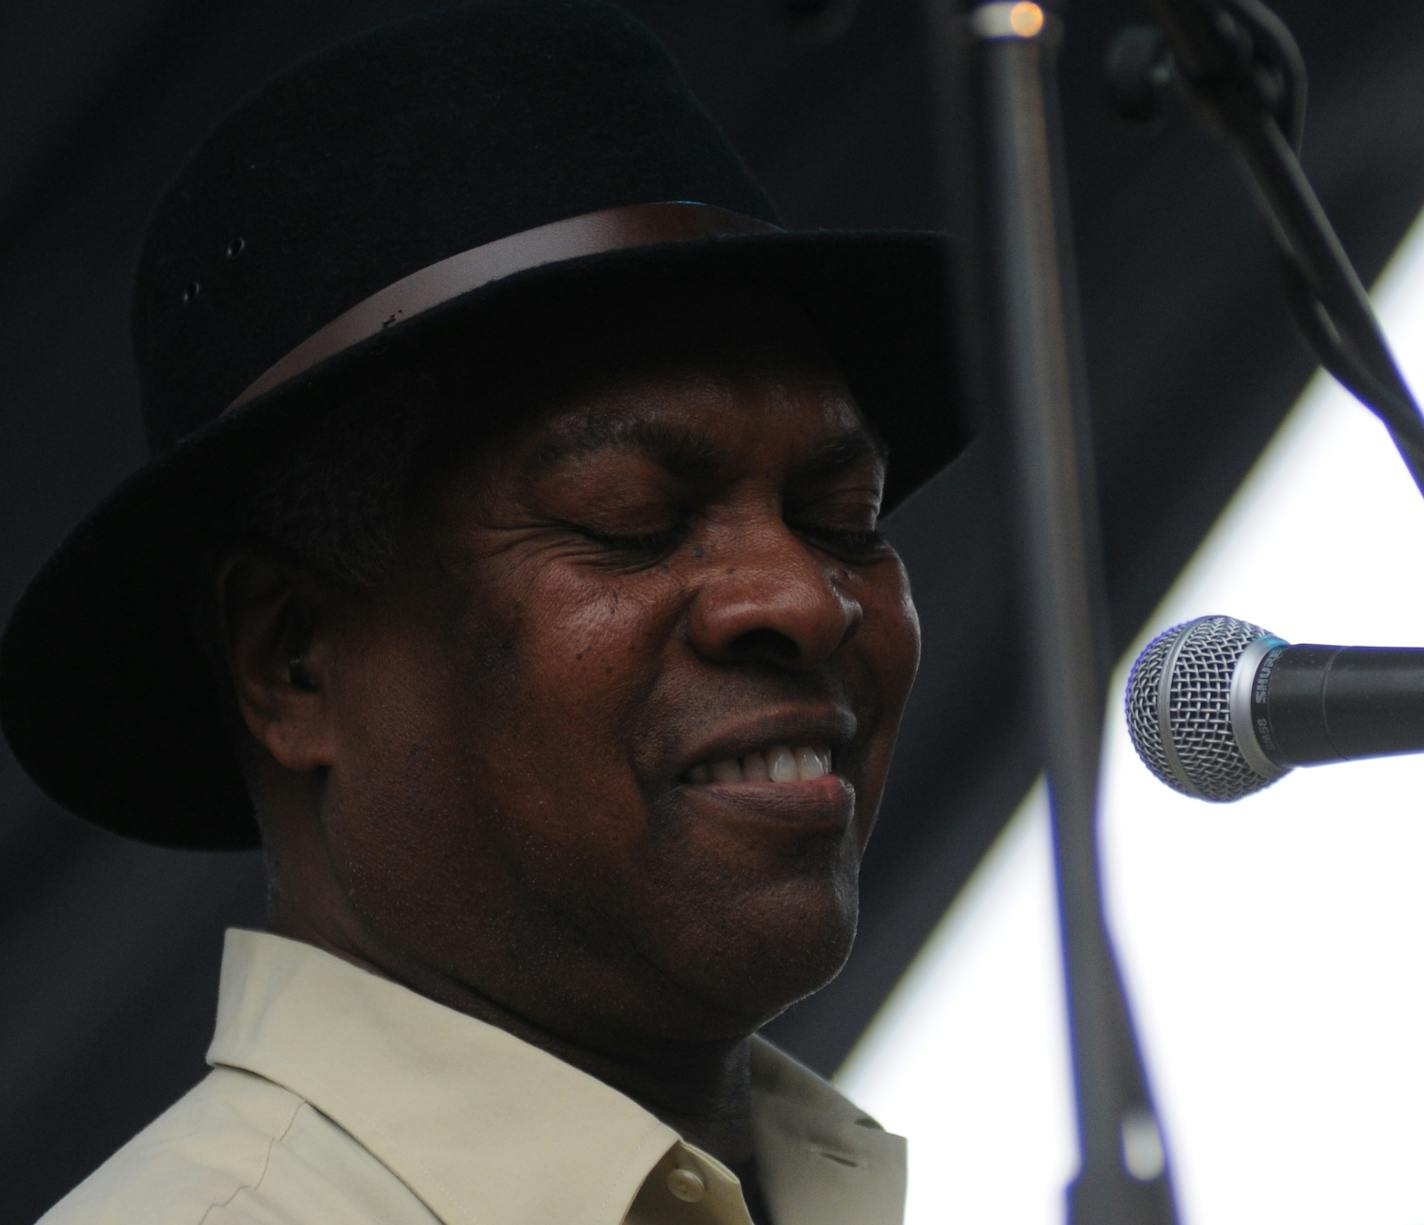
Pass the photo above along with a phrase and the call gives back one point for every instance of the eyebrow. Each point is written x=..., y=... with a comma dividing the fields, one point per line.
x=687, y=453
x=676, y=448
x=842, y=451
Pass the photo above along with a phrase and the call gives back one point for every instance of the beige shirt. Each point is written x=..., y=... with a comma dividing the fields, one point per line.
x=340, y=1098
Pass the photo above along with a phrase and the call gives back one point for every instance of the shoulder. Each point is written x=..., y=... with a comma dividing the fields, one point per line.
x=239, y=1150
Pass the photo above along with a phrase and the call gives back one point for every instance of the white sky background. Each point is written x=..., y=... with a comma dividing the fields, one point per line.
x=1273, y=947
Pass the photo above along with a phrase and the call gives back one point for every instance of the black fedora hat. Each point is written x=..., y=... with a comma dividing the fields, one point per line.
x=422, y=180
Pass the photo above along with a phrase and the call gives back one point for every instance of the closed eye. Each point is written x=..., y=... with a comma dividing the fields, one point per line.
x=633, y=550
x=855, y=543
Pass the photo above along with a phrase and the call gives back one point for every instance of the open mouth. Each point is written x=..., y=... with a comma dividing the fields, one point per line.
x=781, y=763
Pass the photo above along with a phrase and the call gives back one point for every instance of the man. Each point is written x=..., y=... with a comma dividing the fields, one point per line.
x=510, y=561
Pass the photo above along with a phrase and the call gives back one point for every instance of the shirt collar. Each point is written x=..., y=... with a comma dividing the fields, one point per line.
x=461, y=1111
x=821, y=1158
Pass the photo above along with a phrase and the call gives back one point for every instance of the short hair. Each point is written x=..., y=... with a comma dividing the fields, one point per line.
x=333, y=499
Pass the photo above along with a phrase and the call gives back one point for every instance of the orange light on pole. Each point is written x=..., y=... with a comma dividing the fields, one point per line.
x=1026, y=20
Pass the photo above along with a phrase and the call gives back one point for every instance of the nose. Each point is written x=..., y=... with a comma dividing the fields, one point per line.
x=772, y=599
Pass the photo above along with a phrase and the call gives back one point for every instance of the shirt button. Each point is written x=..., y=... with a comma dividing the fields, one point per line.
x=686, y=1185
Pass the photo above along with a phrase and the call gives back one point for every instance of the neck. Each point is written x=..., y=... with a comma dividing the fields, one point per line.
x=699, y=1088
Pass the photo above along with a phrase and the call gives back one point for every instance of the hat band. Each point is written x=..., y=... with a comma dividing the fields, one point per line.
x=609, y=229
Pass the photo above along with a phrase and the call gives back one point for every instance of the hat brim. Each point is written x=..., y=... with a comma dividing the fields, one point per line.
x=105, y=697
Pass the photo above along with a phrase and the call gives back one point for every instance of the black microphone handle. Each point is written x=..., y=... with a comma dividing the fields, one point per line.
x=1314, y=704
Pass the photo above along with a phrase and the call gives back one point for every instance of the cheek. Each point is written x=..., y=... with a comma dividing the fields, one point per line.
x=550, y=696
x=420, y=684
x=891, y=645
x=596, y=643
x=894, y=625
x=911, y=617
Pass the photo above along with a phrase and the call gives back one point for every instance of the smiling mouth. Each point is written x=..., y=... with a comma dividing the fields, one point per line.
x=782, y=763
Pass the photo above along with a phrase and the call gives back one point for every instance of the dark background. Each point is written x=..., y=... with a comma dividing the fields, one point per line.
x=109, y=951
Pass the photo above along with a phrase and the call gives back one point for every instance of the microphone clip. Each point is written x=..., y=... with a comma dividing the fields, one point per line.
x=1235, y=56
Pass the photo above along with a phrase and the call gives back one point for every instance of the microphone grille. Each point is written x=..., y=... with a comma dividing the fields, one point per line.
x=1196, y=751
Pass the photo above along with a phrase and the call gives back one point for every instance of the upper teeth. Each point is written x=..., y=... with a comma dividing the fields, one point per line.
x=781, y=764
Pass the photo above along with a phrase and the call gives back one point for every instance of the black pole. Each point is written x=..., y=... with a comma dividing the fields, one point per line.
x=1021, y=289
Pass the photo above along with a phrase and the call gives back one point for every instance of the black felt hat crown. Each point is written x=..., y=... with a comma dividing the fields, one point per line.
x=444, y=170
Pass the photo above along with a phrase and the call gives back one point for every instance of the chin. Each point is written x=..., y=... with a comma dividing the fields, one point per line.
x=748, y=972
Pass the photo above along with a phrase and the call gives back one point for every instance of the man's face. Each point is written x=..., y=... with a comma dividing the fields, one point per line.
x=610, y=742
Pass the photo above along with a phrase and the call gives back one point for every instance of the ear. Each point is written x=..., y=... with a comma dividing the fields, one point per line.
x=270, y=611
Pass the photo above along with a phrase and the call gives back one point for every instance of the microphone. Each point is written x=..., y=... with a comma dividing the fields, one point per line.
x=1219, y=708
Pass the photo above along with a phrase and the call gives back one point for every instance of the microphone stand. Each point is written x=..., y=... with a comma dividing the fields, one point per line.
x=1019, y=286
